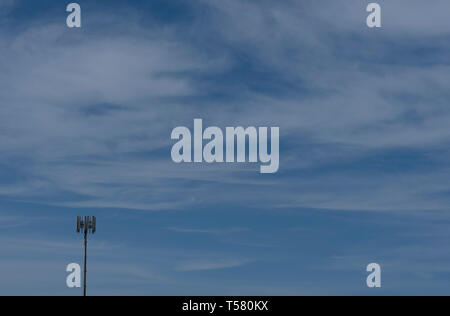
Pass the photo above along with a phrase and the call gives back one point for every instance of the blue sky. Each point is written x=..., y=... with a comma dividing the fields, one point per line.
x=85, y=122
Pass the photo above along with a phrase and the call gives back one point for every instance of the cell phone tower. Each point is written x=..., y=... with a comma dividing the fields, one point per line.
x=86, y=225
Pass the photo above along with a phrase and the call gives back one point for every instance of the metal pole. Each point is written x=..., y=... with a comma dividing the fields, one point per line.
x=85, y=261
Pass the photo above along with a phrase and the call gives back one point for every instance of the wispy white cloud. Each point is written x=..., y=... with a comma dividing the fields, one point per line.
x=211, y=264
x=86, y=119
x=210, y=231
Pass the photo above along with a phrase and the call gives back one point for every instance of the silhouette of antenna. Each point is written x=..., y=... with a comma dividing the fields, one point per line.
x=86, y=225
